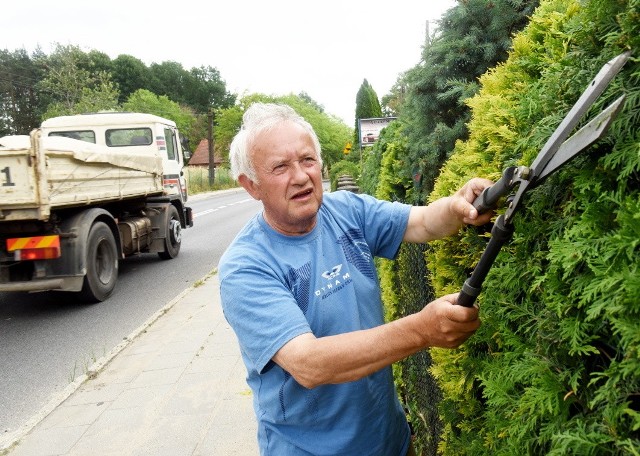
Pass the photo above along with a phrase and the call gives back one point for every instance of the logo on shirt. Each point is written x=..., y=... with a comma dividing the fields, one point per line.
x=335, y=281
x=335, y=272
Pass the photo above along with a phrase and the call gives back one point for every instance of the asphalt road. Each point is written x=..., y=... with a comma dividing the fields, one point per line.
x=47, y=339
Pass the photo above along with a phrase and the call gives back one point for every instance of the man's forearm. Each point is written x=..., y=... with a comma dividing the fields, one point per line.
x=435, y=221
x=351, y=356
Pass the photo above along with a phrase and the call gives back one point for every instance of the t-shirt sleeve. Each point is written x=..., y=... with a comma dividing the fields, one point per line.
x=383, y=223
x=262, y=312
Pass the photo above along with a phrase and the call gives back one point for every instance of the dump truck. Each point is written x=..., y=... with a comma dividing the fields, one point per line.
x=82, y=192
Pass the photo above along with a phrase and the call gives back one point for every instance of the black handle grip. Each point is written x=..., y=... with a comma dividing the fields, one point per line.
x=500, y=234
x=468, y=294
x=490, y=196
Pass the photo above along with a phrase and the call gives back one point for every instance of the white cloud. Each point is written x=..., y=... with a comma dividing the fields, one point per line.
x=275, y=47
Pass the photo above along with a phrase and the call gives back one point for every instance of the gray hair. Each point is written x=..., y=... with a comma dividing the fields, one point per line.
x=258, y=118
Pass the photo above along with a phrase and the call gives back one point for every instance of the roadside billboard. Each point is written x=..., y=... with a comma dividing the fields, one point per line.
x=369, y=129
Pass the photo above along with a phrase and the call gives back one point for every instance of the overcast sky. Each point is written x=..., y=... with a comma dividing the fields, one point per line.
x=325, y=48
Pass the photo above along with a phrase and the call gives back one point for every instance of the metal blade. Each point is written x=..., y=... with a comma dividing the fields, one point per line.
x=592, y=92
x=586, y=136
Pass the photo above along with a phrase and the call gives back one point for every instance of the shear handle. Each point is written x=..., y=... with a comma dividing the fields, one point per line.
x=490, y=195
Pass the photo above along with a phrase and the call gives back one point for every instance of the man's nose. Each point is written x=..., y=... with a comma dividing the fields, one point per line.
x=299, y=172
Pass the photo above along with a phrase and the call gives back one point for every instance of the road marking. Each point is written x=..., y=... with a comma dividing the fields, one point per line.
x=210, y=211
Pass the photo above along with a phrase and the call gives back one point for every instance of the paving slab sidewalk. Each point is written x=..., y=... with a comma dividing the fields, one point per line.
x=175, y=387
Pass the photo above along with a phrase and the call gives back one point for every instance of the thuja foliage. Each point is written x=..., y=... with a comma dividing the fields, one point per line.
x=472, y=36
x=343, y=167
x=390, y=137
x=555, y=367
x=417, y=389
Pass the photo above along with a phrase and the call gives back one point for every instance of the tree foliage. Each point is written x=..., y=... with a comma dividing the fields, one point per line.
x=555, y=368
x=70, y=81
x=130, y=74
x=20, y=102
x=367, y=107
x=332, y=133
x=148, y=102
x=472, y=37
x=73, y=84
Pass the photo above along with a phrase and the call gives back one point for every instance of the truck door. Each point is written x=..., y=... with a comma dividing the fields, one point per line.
x=174, y=180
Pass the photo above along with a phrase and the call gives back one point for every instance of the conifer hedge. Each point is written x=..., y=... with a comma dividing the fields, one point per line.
x=555, y=367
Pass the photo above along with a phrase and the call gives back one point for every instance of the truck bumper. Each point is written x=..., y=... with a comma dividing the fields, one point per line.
x=59, y=284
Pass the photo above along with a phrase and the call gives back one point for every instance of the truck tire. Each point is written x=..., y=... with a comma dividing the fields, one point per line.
x=101, y=264
x=173, y=240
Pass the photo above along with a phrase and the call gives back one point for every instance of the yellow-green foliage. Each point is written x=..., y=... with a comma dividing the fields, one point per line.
x=555, y=367
x=343, y=167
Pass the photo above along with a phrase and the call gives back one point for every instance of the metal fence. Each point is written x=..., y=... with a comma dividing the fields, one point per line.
x=418, y=388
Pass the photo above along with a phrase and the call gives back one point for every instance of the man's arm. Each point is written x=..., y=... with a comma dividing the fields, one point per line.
x=446, y=216
x=347, y=357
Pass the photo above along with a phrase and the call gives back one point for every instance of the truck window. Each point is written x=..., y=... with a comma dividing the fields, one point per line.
x=170, y=138
x=82, y=135
x=128, y=137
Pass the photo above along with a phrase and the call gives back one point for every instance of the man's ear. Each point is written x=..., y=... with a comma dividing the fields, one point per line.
x=250, y=186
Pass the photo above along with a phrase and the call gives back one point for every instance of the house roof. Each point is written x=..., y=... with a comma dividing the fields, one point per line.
x=200, y=156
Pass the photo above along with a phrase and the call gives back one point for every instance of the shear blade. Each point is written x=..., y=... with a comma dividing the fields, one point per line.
x=579, y=109
x=586, y=136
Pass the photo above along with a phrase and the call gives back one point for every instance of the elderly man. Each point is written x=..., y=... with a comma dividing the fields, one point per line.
x=300, y=289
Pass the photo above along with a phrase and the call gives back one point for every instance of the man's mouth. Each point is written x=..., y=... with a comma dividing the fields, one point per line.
x=303, y=194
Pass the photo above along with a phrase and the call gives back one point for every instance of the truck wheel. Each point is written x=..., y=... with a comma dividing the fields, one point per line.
x=173, y=241
x=101, y=264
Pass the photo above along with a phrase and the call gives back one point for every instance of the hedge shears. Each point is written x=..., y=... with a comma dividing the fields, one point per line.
x=557, y=151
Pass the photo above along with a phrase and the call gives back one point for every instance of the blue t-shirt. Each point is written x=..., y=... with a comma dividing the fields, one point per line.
x=276, y=287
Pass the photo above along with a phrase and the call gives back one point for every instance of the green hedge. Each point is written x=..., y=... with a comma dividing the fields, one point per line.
x=555, y=368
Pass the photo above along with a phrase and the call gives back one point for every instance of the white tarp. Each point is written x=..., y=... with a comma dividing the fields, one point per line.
x=88, y=152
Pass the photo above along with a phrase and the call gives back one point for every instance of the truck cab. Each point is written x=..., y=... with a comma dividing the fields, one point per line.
x=130, y=132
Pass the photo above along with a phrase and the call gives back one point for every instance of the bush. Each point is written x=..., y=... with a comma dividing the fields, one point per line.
x=555, y=368
x=197, y=178
x=343, y=167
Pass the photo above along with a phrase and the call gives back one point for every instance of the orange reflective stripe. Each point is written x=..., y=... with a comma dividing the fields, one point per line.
x=35, y=242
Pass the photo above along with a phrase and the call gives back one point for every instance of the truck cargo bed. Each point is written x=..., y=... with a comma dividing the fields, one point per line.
x=41, y=174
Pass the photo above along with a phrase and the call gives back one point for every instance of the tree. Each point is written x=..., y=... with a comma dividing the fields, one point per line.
x=97, y=62
x=168, y=78
x=367, y=107
x=73, y=87
x=204, y=90
x=145, y=101
x=392, y=102
x=367, y=104
x=200, y=88
x=473, y=36
x=332, y=133
x=19, y=98
x=307, y=98
x=130, y=74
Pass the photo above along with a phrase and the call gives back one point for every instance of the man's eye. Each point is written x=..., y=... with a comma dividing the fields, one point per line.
x=309, y=160
x=279, y=168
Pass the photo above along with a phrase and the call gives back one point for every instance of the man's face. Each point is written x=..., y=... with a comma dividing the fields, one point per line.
x=289, y=178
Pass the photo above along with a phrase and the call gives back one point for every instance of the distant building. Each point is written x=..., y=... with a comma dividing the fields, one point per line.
x=200, y=156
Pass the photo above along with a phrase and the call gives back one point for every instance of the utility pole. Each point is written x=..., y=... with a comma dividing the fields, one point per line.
x=212, y=165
